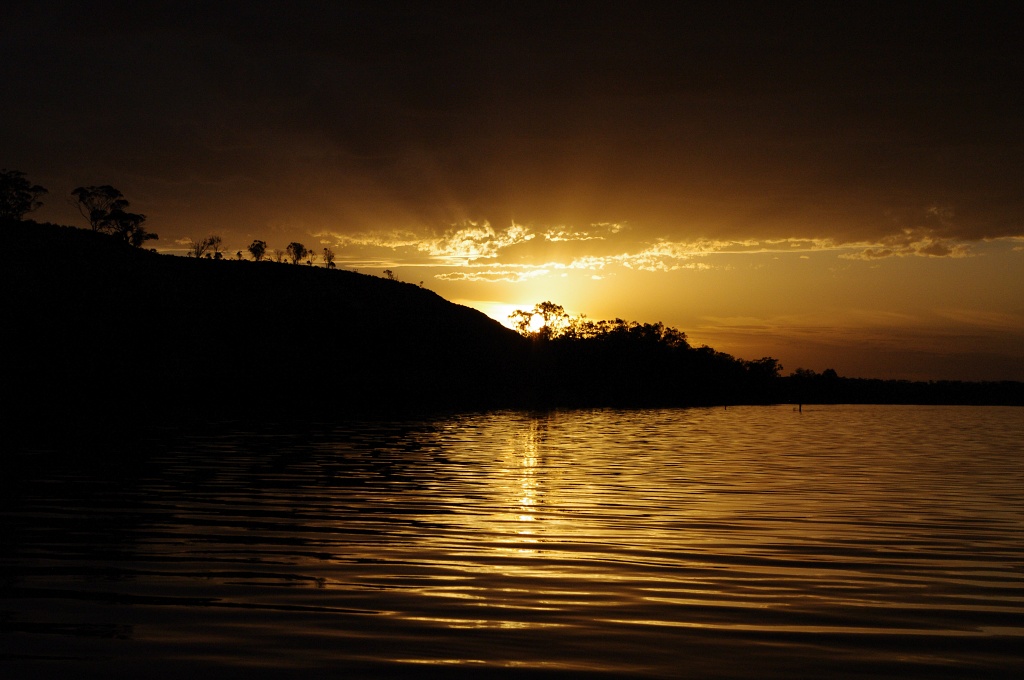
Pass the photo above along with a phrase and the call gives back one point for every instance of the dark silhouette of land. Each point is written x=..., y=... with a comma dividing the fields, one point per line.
x=98, y=331
x=95, y=325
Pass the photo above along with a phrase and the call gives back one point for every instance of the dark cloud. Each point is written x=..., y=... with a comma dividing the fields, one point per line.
x=771, y=120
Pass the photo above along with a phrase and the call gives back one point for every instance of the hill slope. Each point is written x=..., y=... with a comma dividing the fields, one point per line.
x=98, y=327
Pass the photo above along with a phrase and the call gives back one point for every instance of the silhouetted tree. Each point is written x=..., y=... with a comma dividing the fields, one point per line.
x=522, y=320
x=215, y=243
x=238, y=255
x=98, y=203
x=296, y=251
x=389, y=274
x=554, y=320
x=765, y=367
x=128, y=226
x=578, y=328
x=106, y=209
x=554, y=316
x=198, y=249
x=17, y=195
x=258, y=249
x=328, y=258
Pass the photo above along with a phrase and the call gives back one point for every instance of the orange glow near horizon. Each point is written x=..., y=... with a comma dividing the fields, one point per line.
x=895, y=317
x=851, y=202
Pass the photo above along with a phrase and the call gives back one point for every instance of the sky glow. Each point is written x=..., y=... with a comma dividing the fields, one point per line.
x=835, y=186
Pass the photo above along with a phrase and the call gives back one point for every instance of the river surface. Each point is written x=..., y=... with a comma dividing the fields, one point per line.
x=752, y=542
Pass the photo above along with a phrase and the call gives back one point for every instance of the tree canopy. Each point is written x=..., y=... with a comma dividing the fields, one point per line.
x=97, y=203
x=556, y=324
x=128, y=226
x=18, y=195
x=296, y=251
x=554, y=320
x=258, y=249
x=198, y=249
x=576, y=360
x=106, y=209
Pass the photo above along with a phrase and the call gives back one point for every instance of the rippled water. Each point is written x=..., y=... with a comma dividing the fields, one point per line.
x=857, y=541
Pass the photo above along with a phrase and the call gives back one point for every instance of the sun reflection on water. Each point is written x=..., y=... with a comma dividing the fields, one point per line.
x=524, y=466
x=470, y=540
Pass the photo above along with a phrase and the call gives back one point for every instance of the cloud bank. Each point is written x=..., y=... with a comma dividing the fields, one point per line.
x=480, y=251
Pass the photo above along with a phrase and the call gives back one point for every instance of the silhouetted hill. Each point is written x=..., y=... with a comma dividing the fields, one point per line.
x=104, y=329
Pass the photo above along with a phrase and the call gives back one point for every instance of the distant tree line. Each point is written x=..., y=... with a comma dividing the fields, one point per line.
x=106, y=211
x=805, y=386
x=578, y=361
x=295, y=252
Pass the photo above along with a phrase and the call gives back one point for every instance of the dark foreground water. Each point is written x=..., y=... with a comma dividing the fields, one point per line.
x=846, y=541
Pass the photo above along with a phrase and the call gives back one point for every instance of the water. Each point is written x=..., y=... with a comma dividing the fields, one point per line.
x=844, y=541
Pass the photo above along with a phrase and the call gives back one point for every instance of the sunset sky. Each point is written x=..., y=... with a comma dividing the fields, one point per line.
x=837, y=185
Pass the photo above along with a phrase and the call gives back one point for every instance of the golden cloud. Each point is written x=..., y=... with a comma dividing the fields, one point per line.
x=920, y=242
x=493, y=276
x=511, y=252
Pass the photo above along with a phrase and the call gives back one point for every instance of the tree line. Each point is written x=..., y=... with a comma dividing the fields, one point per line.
x=105, y=209
x=579, y=361
x=558, y=328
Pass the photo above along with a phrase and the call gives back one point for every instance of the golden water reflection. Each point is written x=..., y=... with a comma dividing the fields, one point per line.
x=523, y=487
x=581, y=541
x=592, y=512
